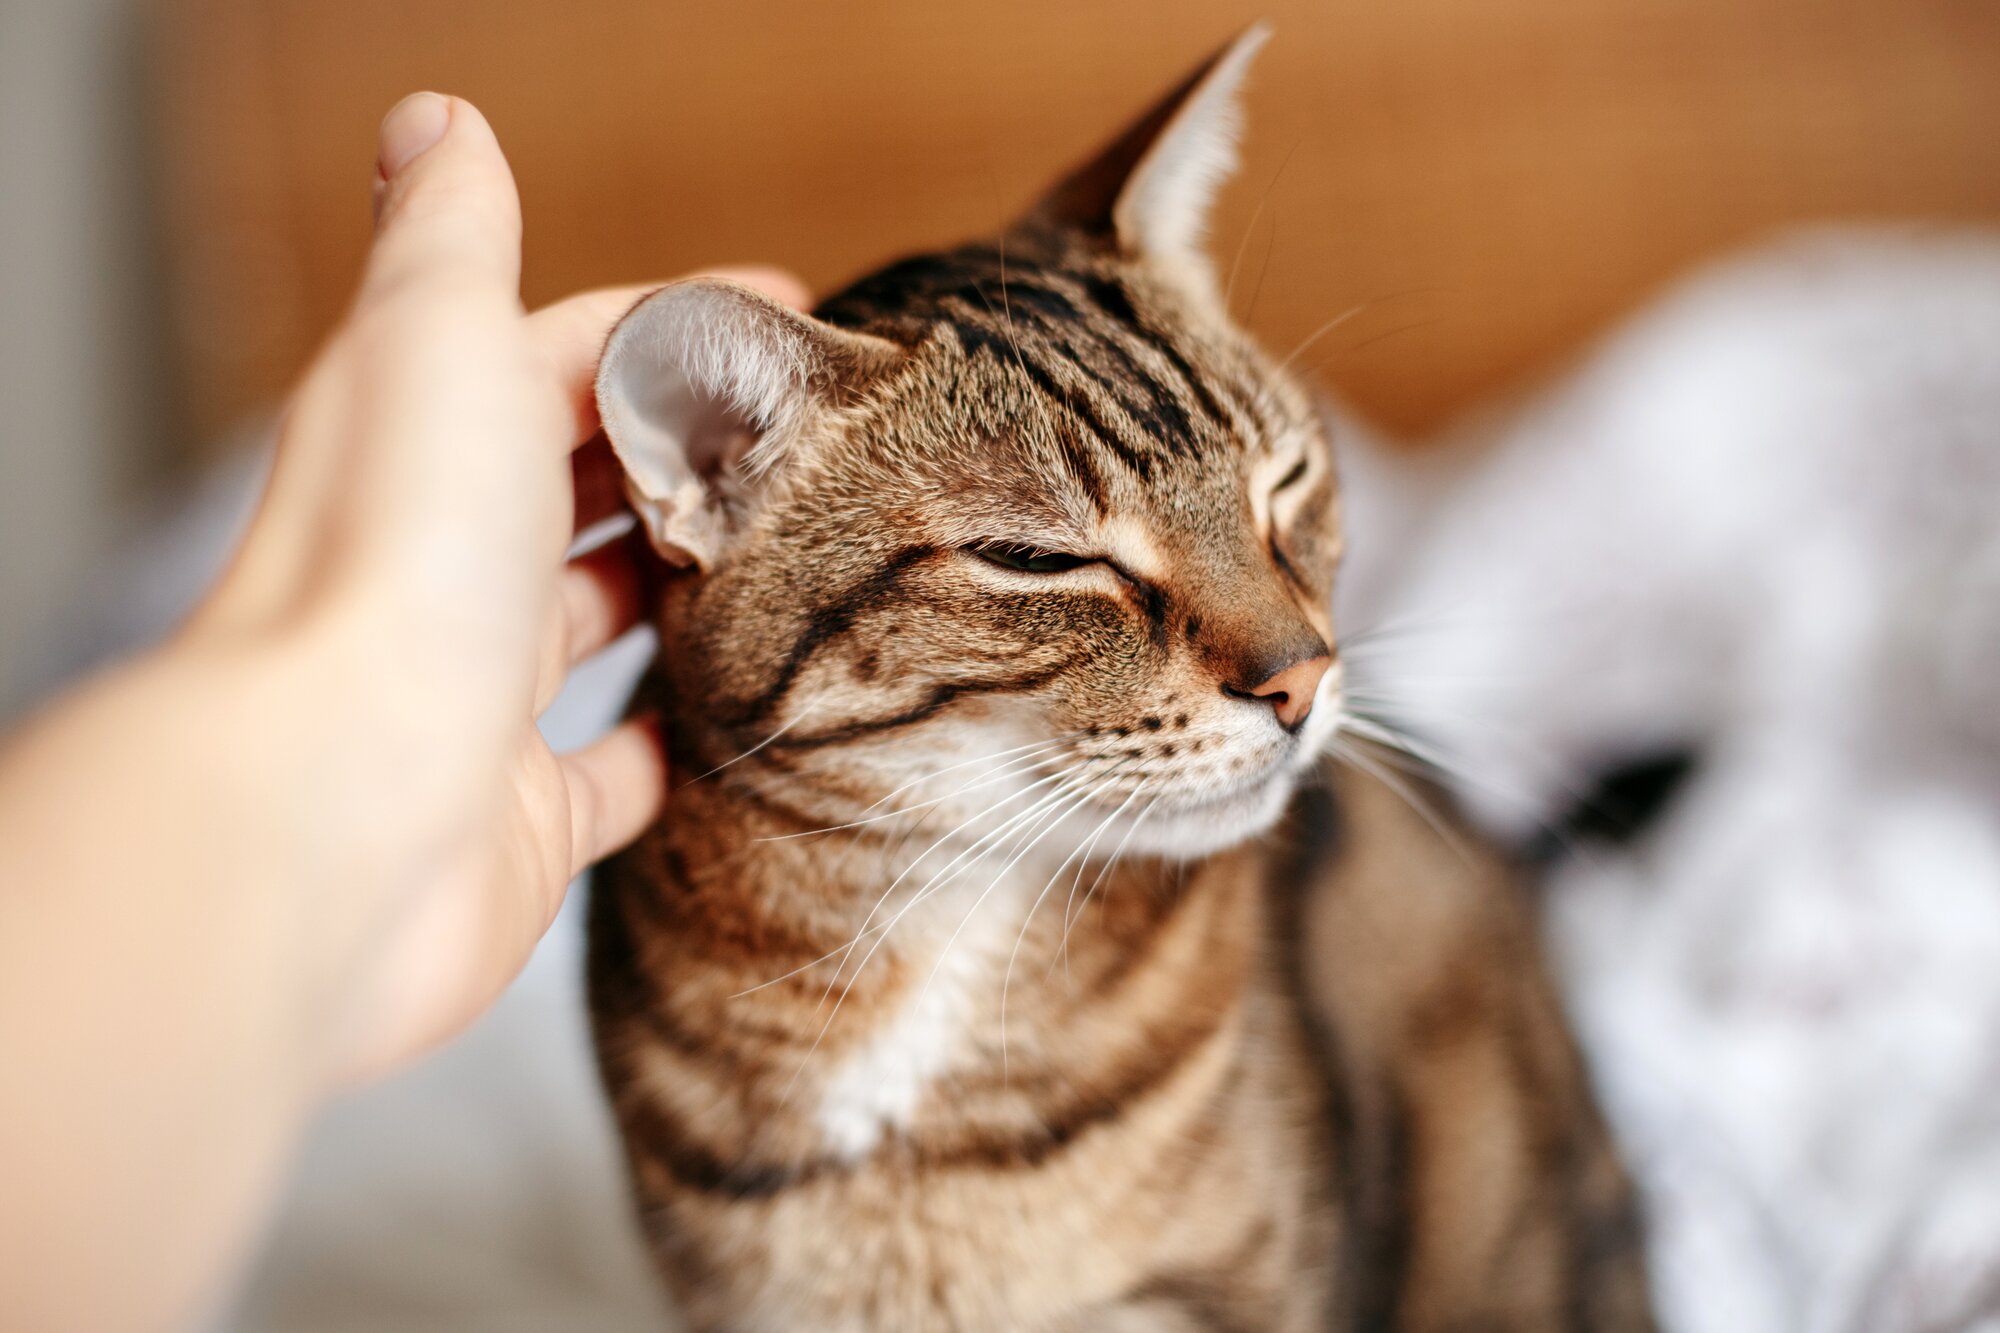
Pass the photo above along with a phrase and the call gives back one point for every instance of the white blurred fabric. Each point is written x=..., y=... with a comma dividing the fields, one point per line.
x=1762, y=522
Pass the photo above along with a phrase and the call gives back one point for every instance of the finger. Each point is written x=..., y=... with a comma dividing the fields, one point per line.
x=617, y=787
x=446, y=207
x=602, y=594
x=777, y=283
x=599, y=596
x=469, y=933
x=596, y=482
x=573, y=330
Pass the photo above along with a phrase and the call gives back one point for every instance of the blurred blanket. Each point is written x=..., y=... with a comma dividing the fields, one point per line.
x=1749, y=544
x=1713, y=627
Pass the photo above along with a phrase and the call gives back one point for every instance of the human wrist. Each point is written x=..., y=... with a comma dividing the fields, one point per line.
x=224, y=858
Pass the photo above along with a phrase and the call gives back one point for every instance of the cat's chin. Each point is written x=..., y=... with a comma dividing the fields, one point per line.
x=1187, y=832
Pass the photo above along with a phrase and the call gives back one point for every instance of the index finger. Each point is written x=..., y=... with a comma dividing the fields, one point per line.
x=572, y=331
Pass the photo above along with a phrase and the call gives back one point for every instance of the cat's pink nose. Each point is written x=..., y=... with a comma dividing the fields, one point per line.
x=1291, y=691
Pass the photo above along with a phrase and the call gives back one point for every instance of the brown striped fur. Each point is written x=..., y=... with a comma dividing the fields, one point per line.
x=953, y=992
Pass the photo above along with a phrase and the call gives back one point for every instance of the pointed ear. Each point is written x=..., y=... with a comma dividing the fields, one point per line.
x=1151, y=191
x=706, y=377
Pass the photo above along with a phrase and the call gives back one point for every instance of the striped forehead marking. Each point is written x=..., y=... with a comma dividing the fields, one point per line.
x=1053, y=322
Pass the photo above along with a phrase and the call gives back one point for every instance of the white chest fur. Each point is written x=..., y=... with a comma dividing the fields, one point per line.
x=957, y=948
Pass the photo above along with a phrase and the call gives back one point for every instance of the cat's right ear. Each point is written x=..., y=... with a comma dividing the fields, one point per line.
x=1150, y=191
x=706, y=377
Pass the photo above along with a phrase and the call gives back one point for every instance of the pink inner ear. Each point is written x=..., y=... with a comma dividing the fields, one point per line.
x=675, y=456
x=683, y=532
x=717, y=437
x=688, y=377
x=706, y=377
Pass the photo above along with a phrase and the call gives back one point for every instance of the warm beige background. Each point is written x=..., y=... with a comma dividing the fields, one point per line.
x=185, y=183
x=1488, y=179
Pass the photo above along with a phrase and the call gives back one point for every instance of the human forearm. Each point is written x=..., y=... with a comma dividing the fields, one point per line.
x=157, y=1004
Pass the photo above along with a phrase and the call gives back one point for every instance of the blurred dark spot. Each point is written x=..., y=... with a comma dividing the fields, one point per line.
x=1623, y=802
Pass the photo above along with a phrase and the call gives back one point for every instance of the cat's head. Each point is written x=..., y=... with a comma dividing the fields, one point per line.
x=1032, y=516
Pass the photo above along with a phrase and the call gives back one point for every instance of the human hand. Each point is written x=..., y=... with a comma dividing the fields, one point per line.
x=317, y=832
x=407, y=566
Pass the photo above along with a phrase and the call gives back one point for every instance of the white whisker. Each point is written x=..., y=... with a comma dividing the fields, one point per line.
x=1365, y=764
x=931, y=887
x=1012, y=768
x=1397, y=741
x=864, y=931
x=1081, y=850
x=1069, y=923
x=1078, y=796
x=1076, y=882
x=802, y=715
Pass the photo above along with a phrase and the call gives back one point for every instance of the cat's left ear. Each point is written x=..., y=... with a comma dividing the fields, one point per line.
x=1151, y=191
x=707, y=389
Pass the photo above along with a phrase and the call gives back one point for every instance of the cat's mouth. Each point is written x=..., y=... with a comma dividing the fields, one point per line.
x=1249, y=798
x=1260, y=771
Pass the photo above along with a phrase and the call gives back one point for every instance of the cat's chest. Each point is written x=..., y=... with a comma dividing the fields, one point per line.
x=1133, y=1073
x=969, y=963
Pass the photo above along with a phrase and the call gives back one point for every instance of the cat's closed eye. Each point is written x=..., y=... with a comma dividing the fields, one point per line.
x=1028, y=559
x=1297, y=471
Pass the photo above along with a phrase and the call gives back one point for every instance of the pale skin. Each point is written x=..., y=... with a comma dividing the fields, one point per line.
x=316, y=833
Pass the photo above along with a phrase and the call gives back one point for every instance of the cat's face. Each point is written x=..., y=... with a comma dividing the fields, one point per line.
x=1041, y=536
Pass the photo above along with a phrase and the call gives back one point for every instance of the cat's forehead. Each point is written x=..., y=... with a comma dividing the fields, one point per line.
x=1113, y=369
x=913, y=296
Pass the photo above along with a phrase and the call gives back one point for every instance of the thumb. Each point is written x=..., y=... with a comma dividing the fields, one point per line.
x=445, y=206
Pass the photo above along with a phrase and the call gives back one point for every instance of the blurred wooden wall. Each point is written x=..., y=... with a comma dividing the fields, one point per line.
x=1488, y=180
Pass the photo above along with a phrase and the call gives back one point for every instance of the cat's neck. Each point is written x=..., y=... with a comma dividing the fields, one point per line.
x=845, y=975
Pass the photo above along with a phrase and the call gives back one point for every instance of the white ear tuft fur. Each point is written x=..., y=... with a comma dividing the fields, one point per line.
x=704, y=376
x=1164, y=207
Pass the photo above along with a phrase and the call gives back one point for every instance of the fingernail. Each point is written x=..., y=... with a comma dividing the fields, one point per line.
x=412, y=125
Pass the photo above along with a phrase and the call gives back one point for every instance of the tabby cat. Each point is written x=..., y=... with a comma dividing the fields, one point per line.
x=953, y=993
